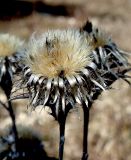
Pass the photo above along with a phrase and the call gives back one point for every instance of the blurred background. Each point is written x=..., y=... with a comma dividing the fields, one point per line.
x=110, y=116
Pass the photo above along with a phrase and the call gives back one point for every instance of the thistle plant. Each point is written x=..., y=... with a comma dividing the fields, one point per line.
x=111, y=64
x=62, y=68
x=9, y=48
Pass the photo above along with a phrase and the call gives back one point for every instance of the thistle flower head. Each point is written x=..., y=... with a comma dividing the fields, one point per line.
x=65, y=67
x=9, y=46
x=58, y=52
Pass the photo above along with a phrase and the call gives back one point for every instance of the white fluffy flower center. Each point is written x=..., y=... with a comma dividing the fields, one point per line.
x=57, y=52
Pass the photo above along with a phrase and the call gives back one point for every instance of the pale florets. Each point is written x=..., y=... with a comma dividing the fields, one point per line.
x=9, y=44
x=58, y=51
x=99, y=38
x=96, y=37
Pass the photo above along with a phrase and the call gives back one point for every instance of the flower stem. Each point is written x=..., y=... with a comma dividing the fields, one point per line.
x=62, y=122
x=12, y=115
x=85, y=131
x=6, y=84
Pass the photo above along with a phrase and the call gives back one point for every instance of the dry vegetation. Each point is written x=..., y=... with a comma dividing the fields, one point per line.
x=110, y=116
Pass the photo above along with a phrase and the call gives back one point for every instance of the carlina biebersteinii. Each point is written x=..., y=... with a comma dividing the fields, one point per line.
x=62, y=68
x=10, y=46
